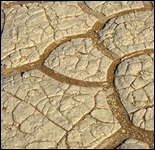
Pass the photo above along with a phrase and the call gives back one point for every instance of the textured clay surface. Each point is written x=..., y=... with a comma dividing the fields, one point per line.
x=77, y=75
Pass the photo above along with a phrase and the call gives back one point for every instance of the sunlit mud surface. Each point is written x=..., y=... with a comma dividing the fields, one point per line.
x=77, y=75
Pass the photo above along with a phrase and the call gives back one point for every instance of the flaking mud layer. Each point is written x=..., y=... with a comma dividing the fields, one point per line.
x=77, y=75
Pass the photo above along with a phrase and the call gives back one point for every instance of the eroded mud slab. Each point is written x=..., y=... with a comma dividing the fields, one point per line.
x=77, y=75
x=39, y=102
x=129, y=33
x=30, y=28
x=79, y=59
x=134, y=82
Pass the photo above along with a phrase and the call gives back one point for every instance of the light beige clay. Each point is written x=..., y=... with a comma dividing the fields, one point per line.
x=77, y=75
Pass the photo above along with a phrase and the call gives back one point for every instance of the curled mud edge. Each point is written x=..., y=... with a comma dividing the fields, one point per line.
x=127, y=130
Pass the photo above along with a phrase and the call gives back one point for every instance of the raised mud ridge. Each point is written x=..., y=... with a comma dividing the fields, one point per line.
x=77, y=75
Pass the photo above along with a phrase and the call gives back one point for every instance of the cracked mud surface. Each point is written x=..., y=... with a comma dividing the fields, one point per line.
x=77, y=75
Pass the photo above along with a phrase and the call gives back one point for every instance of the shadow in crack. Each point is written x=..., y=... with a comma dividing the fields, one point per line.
x=117, y=147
